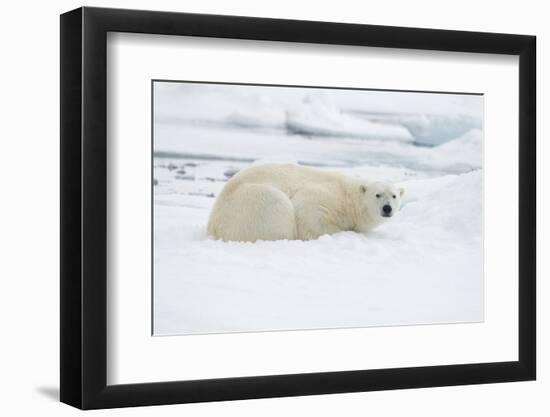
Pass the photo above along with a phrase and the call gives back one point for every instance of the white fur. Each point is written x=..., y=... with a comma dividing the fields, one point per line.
x=287, y=201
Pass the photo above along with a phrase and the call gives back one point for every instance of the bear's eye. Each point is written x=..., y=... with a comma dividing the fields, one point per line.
x=393, y=196
x=377, y=195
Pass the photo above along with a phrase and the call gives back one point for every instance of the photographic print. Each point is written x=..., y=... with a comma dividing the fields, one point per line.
x=292, y=208
x=342, y=217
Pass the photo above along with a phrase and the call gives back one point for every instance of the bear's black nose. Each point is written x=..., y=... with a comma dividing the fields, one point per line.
x=386, y=209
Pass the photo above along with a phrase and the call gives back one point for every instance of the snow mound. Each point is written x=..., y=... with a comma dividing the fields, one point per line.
x=468, y=147
x=319, y=117
x=432, y=129
x=424, y=119
x=205, y=104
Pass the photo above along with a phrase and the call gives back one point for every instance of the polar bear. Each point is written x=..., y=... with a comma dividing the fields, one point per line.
x=295, y=202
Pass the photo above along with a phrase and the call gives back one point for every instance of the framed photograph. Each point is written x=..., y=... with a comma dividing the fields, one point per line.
x=257, y=208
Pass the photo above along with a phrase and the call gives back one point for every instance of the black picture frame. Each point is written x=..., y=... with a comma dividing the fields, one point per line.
x=84, y=207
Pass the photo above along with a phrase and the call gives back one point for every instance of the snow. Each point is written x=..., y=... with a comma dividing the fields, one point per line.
x=320, y=117
x=423, y=266
x=248, y=145
x=427, y=119
x=435, y=129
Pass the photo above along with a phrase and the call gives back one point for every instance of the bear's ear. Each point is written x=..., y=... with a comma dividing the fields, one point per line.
x=363, y=188
x=401, y=192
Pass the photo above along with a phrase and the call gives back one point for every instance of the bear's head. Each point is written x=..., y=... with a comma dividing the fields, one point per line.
x=382, y=200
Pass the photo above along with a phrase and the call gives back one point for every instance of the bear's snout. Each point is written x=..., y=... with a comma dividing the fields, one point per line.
x=386, y=210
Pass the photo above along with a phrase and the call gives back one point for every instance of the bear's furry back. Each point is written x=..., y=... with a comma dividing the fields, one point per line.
x=286, y=201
